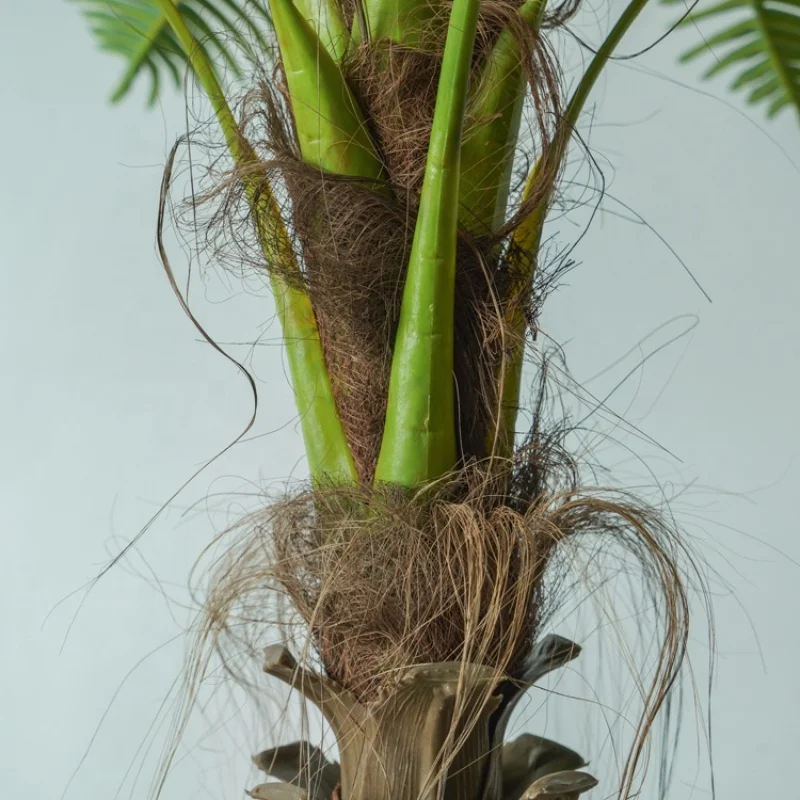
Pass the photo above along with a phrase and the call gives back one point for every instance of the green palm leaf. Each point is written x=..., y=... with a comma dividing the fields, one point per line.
x=229, y=31
x=758, y=44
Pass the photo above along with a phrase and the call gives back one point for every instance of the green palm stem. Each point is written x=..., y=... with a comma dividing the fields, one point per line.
x=487, y=152
x=328, y=453
x=488, y=149
x=527, y=238
x=419, y=439
x=331, y=129
x=326, y=20
x=404, y=22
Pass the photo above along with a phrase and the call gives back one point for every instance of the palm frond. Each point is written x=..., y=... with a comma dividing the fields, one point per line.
x=231, y=32
x=758, y=45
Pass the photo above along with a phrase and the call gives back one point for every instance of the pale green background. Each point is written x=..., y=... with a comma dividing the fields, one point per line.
x=109, y=402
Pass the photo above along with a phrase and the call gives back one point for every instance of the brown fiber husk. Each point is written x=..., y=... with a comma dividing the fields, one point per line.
x=456, y=572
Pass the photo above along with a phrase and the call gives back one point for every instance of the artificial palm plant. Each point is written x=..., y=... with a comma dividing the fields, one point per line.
x=376, y=164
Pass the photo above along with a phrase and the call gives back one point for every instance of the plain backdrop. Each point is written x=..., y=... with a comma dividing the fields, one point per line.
x=110, y=402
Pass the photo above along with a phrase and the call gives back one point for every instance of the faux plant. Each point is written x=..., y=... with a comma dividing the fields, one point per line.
x=377, y=166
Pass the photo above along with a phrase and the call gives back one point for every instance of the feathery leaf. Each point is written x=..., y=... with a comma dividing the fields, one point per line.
x=226, y=30
x=758, y=45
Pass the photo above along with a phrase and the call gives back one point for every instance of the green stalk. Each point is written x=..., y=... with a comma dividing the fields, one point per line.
x=328, y=453
x=528, y=235
x=487, y=153
x=330, y=127
x=419, y=438
x=404, y=22
x=325, y=18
